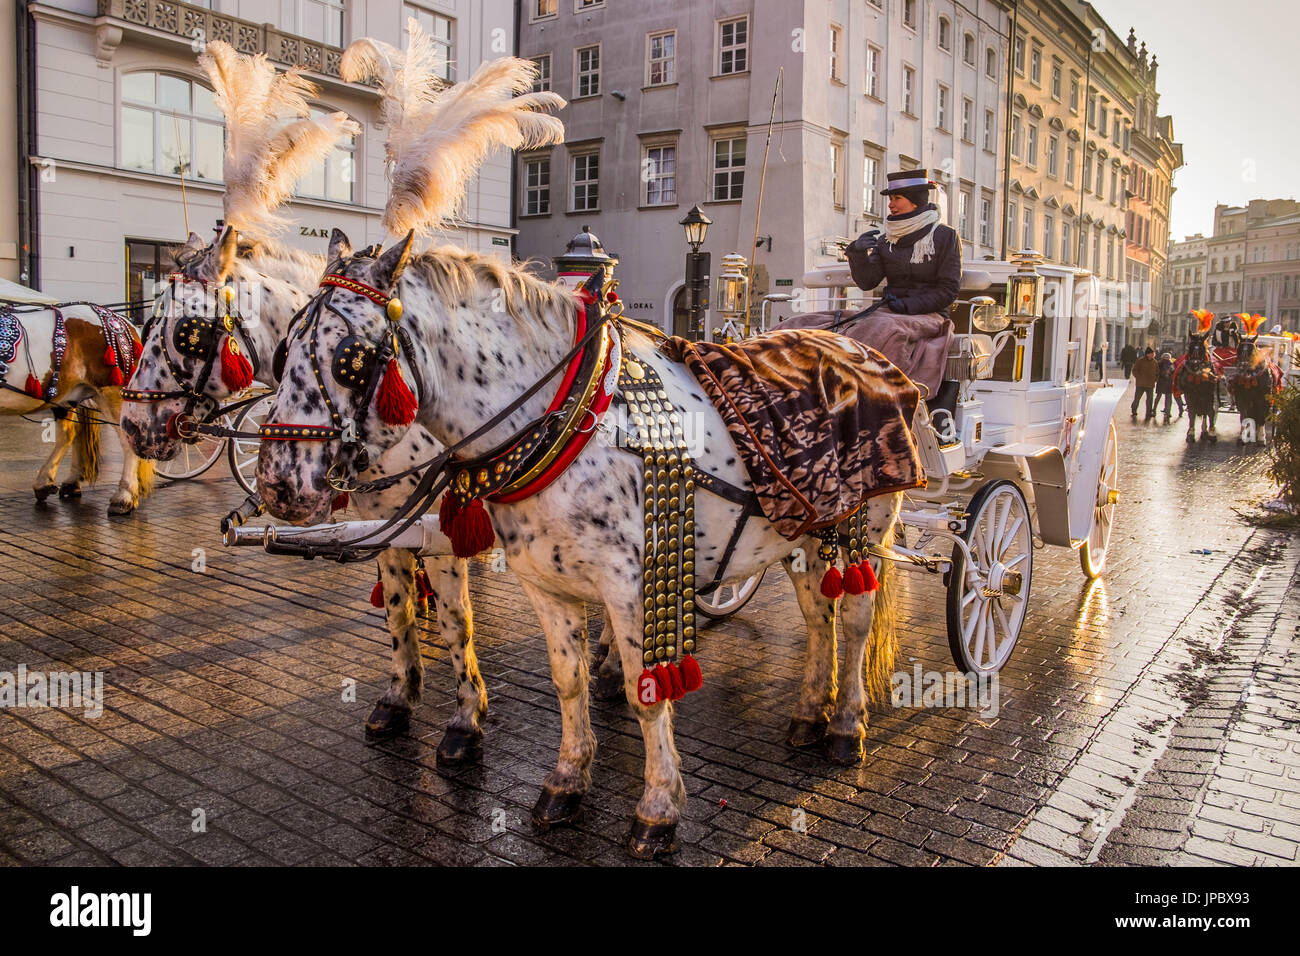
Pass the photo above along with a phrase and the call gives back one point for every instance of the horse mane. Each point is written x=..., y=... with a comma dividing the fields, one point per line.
x=266, y=154
x=439, y=135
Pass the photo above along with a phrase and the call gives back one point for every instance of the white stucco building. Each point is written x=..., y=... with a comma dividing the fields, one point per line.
x=122, y=111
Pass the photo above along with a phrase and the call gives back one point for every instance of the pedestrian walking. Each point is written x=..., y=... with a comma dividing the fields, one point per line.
x=1096, y=360
x=1146, y=372
x=1127, y=356
x=1165, y=385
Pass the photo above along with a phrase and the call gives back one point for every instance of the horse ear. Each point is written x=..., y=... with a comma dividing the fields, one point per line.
x=340, y=245
x=388, y=269
x=194, y=243
x=227, y=249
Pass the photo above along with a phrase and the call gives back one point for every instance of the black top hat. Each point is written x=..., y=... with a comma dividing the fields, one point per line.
x=908, y=179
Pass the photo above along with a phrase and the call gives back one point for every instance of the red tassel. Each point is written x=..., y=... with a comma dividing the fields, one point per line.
x=340, y=502
x=833, y=583
x=395, y=403
x=692, y=679
x=236, y=369
x=115, y=376
x=853, y=582
x=675, y=679
x=469, y=529
x=447, y=512
x=663, y=682
x=647, y=688
x=869, y=576
x=377, y=595
x=110, y=356
x=33, y=387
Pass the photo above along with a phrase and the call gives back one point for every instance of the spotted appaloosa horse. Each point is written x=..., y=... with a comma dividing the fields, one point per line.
x=273, y=277
x=40, y=379
x=1257, y=378
x=582, y=538
x=1198, y=379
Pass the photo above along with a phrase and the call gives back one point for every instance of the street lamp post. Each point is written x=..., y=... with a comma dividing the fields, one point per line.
x=696, y=225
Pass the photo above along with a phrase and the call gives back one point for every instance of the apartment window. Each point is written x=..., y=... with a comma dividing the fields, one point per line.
x=541, y=8
x=661, y=58
x=963, y=215
x=1114, y=181
x=1053, y=156
x=1032, y=146
x=543, y=81
x=171, y=126
x=871, y=185
x=1018, y=55
x=967, y=111
x=1103, y=118
x=1049, y=237
x=837, y=44
x=1110, y=256
x=991, y=63
x=945, y=34
x=1067, y=250
x=988, y=130
x=1101, y=180
x=1036, y=65
x=728, y=168
x=837, y=174
x=332, y=177
x=968, y=49
x=986, y=221
x=909, y=84
x=1074, y=94
x=1056, y=81
x=1009, y=230
x=1017, y=135
x=586, y=182
x=587, y=70
x=941, y=111
x=873, y=71
x=537, y=187
x=659, y=170
x=1087, y=170
x=1027, y=233
x=1116, y=129
x=441, y=33
x=909, y=13
x=1069, y=165
x=733, y=45
x=320, y=20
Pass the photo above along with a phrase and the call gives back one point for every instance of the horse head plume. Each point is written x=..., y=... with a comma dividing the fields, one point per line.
x=439, y=135
x=1204, y=319
x=1250, y=323
x=271, y=138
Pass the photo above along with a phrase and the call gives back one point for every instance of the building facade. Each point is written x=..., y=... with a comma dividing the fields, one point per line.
x=1184, y=286
x=670, y=105
x=126, y=146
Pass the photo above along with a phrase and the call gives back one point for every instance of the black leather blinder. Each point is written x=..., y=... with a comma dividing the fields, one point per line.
x=354, y=363
x=194, y=337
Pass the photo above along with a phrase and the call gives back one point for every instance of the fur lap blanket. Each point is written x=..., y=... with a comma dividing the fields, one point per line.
x=821, y=422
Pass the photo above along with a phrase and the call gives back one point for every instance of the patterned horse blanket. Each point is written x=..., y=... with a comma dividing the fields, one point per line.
x=822, y=423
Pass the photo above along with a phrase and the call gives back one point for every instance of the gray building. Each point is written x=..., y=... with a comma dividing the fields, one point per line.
x=670, y=105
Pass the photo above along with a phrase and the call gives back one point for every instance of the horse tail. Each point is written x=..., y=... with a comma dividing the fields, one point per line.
x=882, y=643
x=146, y=468
x=86, y=435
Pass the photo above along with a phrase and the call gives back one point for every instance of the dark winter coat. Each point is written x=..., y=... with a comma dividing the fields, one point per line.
x=1145, y=372
x=921, y=287
x=1165, y=382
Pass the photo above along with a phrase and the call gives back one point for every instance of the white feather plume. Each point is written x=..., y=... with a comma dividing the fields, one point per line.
x=439, y=136
x=267, y=149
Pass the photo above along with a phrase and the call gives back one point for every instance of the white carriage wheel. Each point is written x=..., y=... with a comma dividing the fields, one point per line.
x=988, y=597
x=242, y=452
x=191, y=460
x=1092, y=553
x=728, y=598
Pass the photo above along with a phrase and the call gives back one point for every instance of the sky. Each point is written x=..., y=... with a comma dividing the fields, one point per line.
x=1230, y=78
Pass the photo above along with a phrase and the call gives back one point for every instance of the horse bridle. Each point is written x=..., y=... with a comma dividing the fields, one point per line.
x=193, y=337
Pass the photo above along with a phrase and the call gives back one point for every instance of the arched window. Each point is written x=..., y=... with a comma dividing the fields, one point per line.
x=334, y=177
x=169, y=125
x=945, y=34
x=968, y=48
x=991, y=63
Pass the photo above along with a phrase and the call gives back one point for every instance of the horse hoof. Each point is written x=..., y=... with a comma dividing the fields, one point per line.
x=607, y=686
x=805, y=733
x=844, y=749
x=460, y=746
x=1190, y=439
x=387, y=721
x=649, y=840
x=120, y=507
x=45, y=491
x=69, y=490
x=557, y=807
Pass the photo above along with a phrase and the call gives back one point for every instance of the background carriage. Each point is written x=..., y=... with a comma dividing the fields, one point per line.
x=1028, y=455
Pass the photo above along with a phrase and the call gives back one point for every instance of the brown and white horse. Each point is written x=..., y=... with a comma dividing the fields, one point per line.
x=70, y=360
x=1255, y=381
x=1197, y=378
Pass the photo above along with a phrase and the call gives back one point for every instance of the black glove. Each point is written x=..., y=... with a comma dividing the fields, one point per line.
x=893, y=303
x=867, y=241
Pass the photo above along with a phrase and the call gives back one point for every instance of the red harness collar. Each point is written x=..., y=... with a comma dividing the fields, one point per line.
x=352, y=285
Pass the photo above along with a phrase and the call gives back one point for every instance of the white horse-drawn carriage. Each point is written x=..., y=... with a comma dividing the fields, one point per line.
x=1028, y=456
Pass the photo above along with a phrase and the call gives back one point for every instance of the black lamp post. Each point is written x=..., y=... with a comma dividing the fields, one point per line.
x=696, y=225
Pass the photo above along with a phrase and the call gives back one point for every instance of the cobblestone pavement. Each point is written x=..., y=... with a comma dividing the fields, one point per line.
x=1147, y=718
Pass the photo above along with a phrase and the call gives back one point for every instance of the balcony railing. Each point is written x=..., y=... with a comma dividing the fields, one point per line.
x=192, y=23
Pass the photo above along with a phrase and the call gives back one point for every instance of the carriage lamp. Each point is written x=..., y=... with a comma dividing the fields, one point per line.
x=986, y=316
x=733, y=286
x=1024, y=301
x=696, y=225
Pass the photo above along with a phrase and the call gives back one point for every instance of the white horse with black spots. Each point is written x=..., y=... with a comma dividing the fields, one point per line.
x=482, y=333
